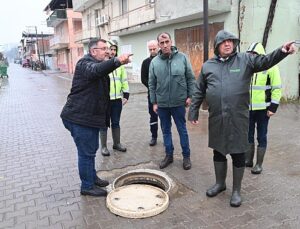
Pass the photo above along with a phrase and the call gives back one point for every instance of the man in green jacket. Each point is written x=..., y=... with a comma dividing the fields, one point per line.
x=171, y=84
x=224, y=82
x=265, y=94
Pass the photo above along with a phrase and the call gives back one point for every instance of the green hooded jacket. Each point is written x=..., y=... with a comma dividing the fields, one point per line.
x=225, y=85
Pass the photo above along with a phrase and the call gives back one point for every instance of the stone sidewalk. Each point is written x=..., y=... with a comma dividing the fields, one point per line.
x=39, y=183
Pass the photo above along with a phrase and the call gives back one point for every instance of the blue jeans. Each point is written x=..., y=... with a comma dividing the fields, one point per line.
x=178, y=114
x=153, y=119
x=87, y=143
x=261, y=120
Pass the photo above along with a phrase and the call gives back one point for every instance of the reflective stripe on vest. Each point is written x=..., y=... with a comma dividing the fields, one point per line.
x=259, y=105
x=276, y=86
x=254, y=87
x=119, y=79
x=115, y=95
x=275, y=101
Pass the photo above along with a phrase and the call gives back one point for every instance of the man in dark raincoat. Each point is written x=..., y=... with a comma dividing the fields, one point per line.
x=224, y=82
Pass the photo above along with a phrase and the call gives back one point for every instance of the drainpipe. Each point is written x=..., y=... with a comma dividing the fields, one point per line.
x=269, y=22
x=205, y=41
x=206, y=32
x=239, y=23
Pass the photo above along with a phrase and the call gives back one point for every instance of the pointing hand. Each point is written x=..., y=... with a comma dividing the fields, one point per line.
x=289, y=47
x=125, y=58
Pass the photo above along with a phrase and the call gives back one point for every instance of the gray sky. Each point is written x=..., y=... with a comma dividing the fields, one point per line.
x=17, y=14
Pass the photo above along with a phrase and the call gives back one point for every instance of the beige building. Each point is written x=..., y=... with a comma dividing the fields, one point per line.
x=134, y=22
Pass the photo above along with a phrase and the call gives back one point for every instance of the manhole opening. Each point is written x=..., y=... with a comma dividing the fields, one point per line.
x=150, y=177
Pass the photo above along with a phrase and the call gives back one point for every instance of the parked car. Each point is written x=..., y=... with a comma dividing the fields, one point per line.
x=26, y=63
x=17, y=60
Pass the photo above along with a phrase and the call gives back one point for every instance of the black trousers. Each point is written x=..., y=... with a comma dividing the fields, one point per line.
x=153, y=119
x=238, y=160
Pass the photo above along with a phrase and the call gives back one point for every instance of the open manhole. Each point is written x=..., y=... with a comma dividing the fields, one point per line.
x=140, y=193
x=146, y=176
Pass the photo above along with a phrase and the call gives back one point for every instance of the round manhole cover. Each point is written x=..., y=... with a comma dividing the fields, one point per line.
x=137, y=201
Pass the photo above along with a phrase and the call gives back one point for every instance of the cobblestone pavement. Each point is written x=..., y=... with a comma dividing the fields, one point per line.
x=39, y=183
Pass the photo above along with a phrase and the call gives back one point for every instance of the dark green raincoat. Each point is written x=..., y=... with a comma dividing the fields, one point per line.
x=225, y=85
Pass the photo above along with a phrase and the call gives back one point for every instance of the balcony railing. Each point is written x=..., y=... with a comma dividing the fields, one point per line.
x=56, y=18
x=58, y=42
x=133, y=18
x=80, y=5
x=78, y=36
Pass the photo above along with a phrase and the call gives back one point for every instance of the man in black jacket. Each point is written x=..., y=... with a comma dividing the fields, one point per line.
x=153, y=50
x=87, y=110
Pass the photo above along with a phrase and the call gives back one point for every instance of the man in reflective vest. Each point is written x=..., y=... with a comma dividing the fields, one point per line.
x=119, y=95
x=265, y=94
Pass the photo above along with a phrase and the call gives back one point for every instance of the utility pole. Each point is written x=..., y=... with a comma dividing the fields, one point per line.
x=37, y=44
x=43, y=50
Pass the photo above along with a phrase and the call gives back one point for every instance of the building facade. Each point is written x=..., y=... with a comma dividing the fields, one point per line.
x=67, y=25
x=133, y=23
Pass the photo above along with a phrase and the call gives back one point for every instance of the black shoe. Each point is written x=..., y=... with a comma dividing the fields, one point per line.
x=101, y=183
x=187, y=165
x=95, y=191
x=166, y=161
x=153, y=142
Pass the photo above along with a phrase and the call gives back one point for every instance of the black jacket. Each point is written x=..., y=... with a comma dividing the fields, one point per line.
x=88, y=101
x=145, y=70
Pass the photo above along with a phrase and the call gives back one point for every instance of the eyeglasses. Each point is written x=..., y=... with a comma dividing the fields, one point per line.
x=103, y=48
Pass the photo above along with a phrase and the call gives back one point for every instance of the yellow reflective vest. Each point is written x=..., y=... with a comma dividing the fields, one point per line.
x=265, y=87
x=118, y=83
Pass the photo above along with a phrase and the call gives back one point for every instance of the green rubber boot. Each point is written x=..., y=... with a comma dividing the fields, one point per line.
x=260, y=154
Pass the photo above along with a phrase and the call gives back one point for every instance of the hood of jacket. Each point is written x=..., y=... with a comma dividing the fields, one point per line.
x=174, y=51
x=113, y=44
x=223, y=35
x=257, y=48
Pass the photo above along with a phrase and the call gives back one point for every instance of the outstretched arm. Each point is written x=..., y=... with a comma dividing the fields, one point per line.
x=264, y=62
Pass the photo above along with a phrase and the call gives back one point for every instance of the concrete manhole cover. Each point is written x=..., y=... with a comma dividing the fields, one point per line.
x=137, y=201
